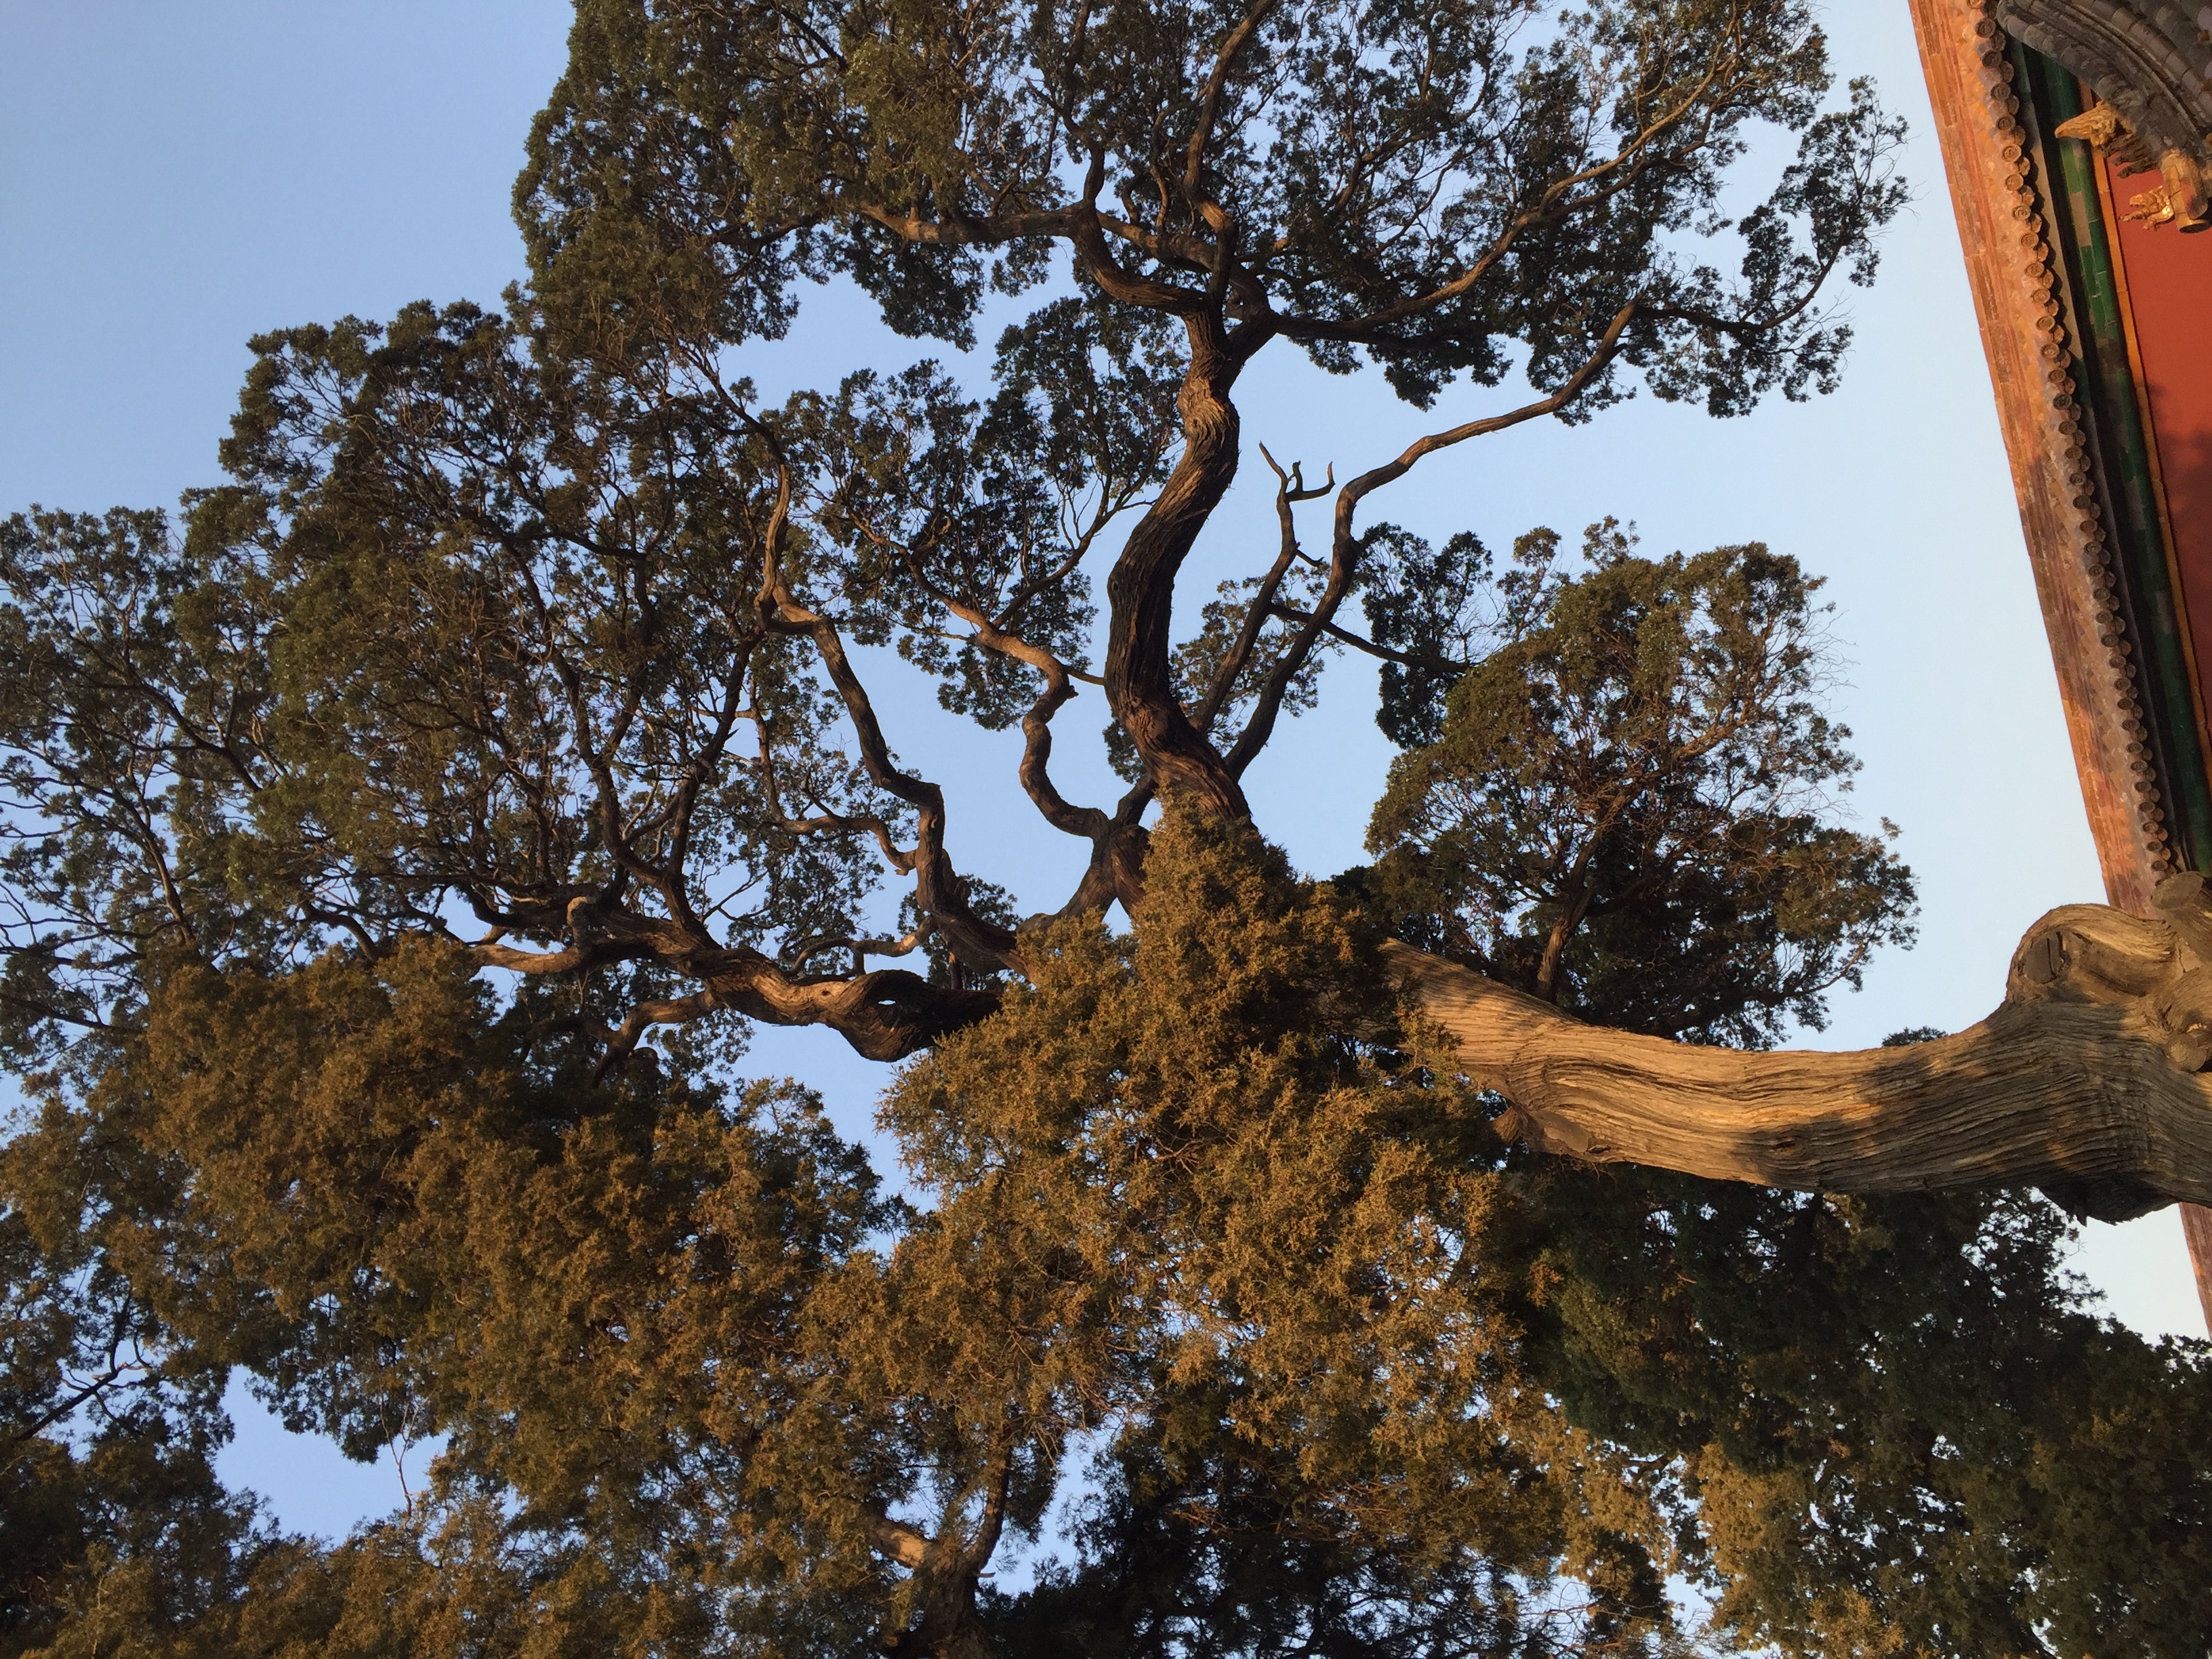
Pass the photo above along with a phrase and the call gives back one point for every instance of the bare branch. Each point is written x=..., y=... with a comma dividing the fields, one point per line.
x=1385, y=652
x=798, y=956
x=1344, y=549
x=1290, y=489
x=1209, y=103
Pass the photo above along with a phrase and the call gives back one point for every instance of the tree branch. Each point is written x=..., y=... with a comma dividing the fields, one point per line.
x=1290, y=489
x=1344, y=547
x=2088, y=1080
x=1614, y=175
x=623, y=1042
x=1385, y=652
x=1209, y=103
x=1140, y=588
x=939, y=893
x=1035, y=771
x=894, y=1539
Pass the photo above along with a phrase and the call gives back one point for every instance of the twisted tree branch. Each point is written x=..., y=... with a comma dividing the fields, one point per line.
x=2088, y=1080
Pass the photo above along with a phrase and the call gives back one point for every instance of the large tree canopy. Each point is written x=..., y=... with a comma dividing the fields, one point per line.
x=1429, y=1261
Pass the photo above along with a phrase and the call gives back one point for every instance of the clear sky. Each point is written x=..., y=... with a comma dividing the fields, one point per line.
x=174, y=178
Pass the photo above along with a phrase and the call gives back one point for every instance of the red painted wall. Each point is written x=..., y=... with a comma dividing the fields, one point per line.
x=2169, y=279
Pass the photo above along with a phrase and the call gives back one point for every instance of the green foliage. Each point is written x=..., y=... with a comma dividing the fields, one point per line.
x=1261, y=1249
x=519, y=642
x=1340, y=1366
x=113, y=1528
x=477, y=632
x=1622, y=808
x=402, y=1222
x=660, y=1320
x=1431, y=186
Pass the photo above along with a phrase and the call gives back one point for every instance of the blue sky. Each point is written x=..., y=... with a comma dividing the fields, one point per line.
x=174, y=178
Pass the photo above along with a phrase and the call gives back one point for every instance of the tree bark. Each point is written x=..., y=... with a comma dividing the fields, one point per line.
x=1140, y=588
x=2087, y=1081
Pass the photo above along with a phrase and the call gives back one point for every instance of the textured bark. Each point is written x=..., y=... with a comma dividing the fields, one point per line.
x=2087, y=1081
x=1140, y=588
x=887, y=1014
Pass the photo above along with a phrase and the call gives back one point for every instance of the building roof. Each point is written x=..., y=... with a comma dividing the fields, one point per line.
x=2074, y=138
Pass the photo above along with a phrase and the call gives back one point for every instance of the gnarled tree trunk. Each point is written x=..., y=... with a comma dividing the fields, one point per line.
x=2087, y=1081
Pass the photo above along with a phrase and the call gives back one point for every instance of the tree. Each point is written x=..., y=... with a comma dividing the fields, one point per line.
x=536, y=642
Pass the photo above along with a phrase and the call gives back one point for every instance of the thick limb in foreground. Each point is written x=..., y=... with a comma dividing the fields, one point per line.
x=2088, y=1080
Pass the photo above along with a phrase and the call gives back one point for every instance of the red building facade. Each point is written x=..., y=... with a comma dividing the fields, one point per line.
x=2074, y=134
